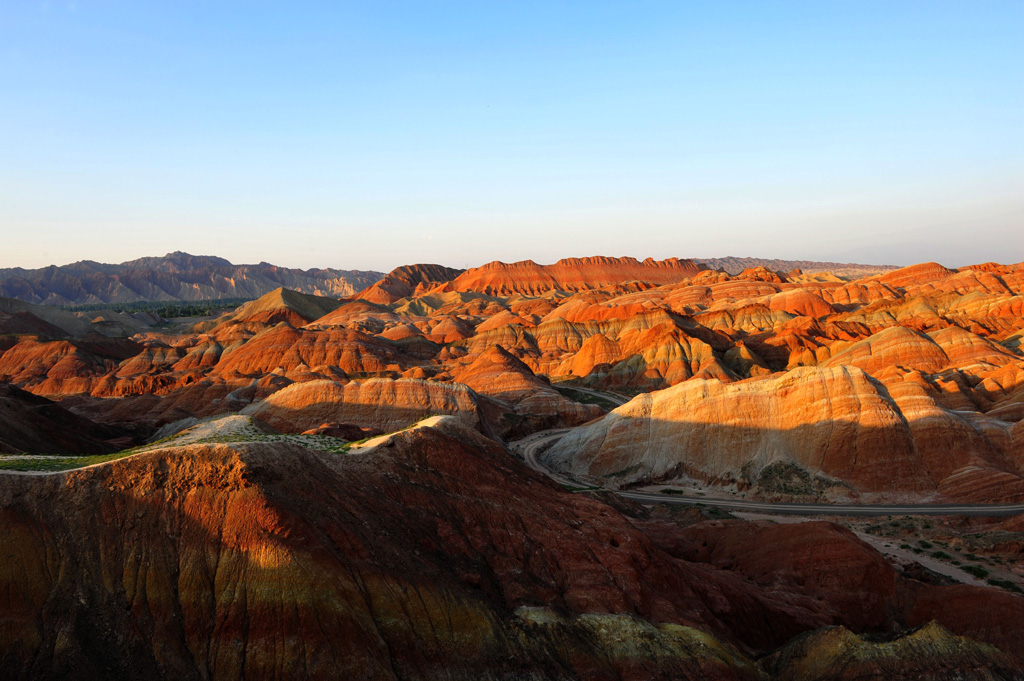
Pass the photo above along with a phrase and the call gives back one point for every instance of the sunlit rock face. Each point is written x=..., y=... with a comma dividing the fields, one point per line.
x=380, y=403
x=832, y=431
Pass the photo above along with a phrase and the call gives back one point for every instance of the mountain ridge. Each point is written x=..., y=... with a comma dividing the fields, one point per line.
x=176, y=276
x=181, y=276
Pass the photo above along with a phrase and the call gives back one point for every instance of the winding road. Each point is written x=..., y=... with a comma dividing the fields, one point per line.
x=530, y=448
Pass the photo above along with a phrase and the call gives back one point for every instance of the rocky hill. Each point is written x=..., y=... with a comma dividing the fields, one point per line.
x=175, y=276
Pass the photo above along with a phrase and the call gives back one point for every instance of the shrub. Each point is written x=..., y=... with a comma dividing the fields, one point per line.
x=976, y=571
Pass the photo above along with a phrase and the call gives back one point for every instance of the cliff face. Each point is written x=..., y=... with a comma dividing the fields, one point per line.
x=175, y=276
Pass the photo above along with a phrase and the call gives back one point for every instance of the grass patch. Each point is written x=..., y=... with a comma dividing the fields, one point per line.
x=1005, y=584
x=624, y=472
x=55, y=463
x=59, y=463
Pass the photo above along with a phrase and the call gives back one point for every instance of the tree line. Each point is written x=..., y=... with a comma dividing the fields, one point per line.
x=168, y=309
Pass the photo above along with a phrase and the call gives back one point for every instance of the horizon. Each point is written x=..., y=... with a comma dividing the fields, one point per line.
x=641, y=258
x=366, y=138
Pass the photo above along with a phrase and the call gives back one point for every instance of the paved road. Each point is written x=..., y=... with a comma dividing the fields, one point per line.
x=530, y=448
x=615, y=398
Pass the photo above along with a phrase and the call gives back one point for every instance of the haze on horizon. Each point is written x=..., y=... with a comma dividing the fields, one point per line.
x=375, y=135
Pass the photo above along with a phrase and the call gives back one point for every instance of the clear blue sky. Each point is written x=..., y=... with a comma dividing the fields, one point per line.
x=376, y=134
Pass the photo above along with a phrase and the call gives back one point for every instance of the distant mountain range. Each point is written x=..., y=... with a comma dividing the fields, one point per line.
x=734, y=265
x=175, y=276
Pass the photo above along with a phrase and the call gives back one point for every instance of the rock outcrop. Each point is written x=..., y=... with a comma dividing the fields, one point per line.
x=944, y=344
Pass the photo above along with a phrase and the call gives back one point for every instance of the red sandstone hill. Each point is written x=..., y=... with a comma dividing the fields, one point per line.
x=431, y=555
x=570, y=274
x=281, y=305
x=407, y=281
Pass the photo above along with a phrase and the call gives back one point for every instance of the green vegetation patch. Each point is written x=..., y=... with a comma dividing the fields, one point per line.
x=168, y=309
x=624, y=472
x=1006, y=584
x=58, y=463
x=976, y=571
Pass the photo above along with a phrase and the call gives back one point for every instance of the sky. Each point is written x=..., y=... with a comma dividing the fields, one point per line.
x=376, y=134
